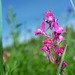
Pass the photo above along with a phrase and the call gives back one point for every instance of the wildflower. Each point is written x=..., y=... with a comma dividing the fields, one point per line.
x=69, y=9
x=58, y=29
x=35, y=52
x=6, y=54
x=64, y=65
x=50, y=48
x=60, y=50
x=47, y=42
x=44, y=48
x=41, y=30
x=74, y=58
x=59, y=39
x=50, y=17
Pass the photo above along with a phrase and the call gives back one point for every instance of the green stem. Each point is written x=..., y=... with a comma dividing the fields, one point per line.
x=1, y=54
x=59, y=68
x=72, y=4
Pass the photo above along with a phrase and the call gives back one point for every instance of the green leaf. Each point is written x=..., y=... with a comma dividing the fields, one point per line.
x=59, y=68
x=1, y=54
x=18, y=25
x=14, y=19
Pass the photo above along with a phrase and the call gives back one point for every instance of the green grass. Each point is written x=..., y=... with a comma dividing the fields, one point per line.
x=23, y=60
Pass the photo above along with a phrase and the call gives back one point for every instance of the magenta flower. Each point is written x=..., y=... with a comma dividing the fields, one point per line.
x=49, y=16
x=44, y=48
x=59, y=39
x=58, y=29
x=52, y=42
x=55, y=20
x=41, y=30
x=64, y=65
x=60, y=50
x=48, y=41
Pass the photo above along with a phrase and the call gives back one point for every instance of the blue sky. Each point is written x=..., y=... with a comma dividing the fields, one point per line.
x=30, y=9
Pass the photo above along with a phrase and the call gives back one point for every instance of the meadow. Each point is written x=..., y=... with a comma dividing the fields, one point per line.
x=27, y=58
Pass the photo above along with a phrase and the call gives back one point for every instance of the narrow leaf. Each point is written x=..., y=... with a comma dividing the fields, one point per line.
x=1, y=54
x=18, y=25
x=59, y=68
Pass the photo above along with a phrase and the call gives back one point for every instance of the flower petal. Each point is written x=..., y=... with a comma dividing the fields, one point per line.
x=43, y=26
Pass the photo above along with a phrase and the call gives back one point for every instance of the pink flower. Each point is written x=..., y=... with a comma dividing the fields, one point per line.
x=51, y=47
x=58, y=29
x=55, y=20
x=45, y=20
x=48, y=41
x=74, y=58
x=63, y=65
x=60, y=50
x=44, y=48
x=49, y=16
x=41, y=30
x=60, y=38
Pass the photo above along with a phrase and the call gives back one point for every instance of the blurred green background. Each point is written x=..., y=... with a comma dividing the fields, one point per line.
x=21, y=49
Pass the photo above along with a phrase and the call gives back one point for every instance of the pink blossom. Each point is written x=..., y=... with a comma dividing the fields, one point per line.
x=50, y=47
x=58, y=29
x=44, y=48
x=60, y=50
x=55, y=20
x=74, y=58
x=49, y=16
x=60, y=38
x=48, y=41
x=63, y=65
x=41, y=30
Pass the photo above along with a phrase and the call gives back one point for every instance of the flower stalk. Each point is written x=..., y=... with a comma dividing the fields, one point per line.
x=49, y=47
x=1, y=54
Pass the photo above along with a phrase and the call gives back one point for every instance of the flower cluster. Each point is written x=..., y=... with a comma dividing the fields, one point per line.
x=50, y=47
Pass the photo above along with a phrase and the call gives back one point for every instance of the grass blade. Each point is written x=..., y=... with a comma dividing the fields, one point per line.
x=72, y=4
x=59, y=68
x=1, y=54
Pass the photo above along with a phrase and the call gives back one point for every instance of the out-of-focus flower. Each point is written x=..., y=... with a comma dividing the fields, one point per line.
x=69, y=9
x=35, y=52
x=6, y=38
x=74, y=58
x=6, y=54
x=4, y=59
